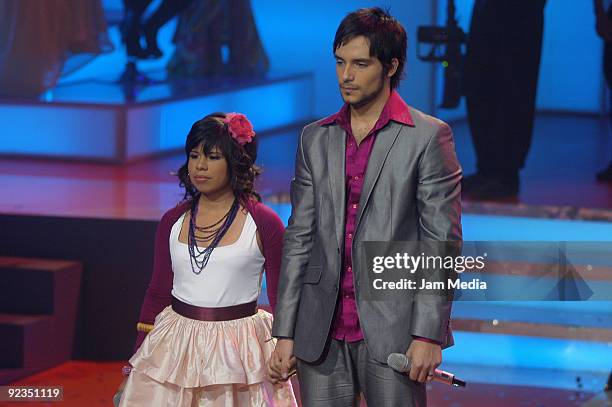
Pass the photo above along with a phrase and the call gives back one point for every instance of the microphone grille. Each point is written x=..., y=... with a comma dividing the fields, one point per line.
x=399, y=362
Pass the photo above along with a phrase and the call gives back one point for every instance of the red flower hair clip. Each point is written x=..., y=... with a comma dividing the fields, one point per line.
x=240, y=128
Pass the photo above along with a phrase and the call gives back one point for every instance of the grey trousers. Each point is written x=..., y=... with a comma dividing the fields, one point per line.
x=346, y=371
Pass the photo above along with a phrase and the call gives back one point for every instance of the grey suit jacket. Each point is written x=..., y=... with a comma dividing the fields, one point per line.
x=411, y=192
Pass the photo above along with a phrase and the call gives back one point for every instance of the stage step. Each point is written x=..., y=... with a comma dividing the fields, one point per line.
x=38, y=310
x=101, y=121
x=530, y=329
x=25, y=341
x=595, y=314
x=587, y=320
x=30, y=286
x=27, y=286
x=490, y=352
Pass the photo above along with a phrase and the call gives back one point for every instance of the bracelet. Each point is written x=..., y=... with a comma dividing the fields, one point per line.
x=142, y=327
x=126, y=370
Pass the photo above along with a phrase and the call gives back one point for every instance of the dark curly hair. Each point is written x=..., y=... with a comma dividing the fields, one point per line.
x=212, y=132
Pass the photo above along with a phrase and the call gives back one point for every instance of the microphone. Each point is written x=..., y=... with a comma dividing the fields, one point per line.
x=401, y=363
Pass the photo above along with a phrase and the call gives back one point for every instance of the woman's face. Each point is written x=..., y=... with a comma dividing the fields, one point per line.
x=208, y=173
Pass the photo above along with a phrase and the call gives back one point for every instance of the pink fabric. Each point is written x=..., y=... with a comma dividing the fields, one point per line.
x=158, y=295
x=420, y=338
x=346, y=320
x=185, y=362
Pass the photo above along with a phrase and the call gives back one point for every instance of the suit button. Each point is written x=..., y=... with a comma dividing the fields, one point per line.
x=336, y=287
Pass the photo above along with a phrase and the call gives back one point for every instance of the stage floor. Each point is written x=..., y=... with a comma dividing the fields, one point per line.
x=93, y=384
x=567, y=152
x=560, y=172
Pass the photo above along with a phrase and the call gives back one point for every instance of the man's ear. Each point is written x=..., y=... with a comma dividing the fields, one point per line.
x=393, y=67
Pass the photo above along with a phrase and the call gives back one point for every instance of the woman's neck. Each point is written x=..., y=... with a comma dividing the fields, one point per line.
x=218, y=201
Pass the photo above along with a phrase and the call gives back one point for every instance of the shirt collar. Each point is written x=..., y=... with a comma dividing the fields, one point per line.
x=395, y=109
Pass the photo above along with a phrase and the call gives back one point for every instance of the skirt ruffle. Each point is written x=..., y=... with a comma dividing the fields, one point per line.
x=204, y=358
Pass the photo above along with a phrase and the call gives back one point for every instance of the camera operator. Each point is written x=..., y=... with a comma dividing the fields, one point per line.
x=501, y=75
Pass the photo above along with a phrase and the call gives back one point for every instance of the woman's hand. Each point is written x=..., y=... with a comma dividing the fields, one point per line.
x=281, y=365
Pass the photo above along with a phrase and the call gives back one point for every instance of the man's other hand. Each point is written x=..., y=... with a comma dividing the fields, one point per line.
x=424, y=358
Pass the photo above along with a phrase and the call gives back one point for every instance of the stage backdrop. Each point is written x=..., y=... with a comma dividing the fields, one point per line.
x=571, y=77
x=298, y=37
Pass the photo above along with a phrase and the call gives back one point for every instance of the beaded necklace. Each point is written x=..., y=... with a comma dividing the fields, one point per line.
x=199, y=257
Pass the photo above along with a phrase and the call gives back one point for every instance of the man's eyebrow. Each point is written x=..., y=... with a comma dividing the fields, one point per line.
x=355, y=60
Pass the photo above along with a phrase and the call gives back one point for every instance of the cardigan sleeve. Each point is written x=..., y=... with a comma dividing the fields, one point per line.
x=271, y=234
x=158, y=294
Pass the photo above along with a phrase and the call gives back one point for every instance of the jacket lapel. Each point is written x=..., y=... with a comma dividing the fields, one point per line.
x=384, y=141
x=336, y=152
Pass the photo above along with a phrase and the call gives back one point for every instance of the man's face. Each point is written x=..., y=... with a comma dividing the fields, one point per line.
x=360, y=76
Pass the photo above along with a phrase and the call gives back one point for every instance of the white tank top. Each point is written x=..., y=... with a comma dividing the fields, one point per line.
x=231, y=277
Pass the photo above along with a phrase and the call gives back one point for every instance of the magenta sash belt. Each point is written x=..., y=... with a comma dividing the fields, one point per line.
x=214, y=314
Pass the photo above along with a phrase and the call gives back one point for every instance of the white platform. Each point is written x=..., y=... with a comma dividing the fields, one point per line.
x=98, y=121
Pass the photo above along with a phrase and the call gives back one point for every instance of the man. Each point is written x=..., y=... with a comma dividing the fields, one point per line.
x=501, y=77
x=378, y=170
x=603, y=26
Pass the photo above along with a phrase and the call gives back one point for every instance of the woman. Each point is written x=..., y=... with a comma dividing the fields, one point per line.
x=208, y=345
x=43, y=40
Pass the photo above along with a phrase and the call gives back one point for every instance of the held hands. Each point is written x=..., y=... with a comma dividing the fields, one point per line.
x=281, y=365
x=425, y=357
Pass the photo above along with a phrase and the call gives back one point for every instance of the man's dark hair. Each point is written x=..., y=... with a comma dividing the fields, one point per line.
x=385, y=34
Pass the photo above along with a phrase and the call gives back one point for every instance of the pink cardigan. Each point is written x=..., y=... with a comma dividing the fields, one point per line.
x=158, y=295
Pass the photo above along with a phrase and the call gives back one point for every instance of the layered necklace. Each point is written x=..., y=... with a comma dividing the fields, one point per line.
x=215, y=232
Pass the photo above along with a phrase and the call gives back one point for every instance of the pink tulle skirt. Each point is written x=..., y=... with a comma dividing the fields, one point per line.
x=186, y=362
